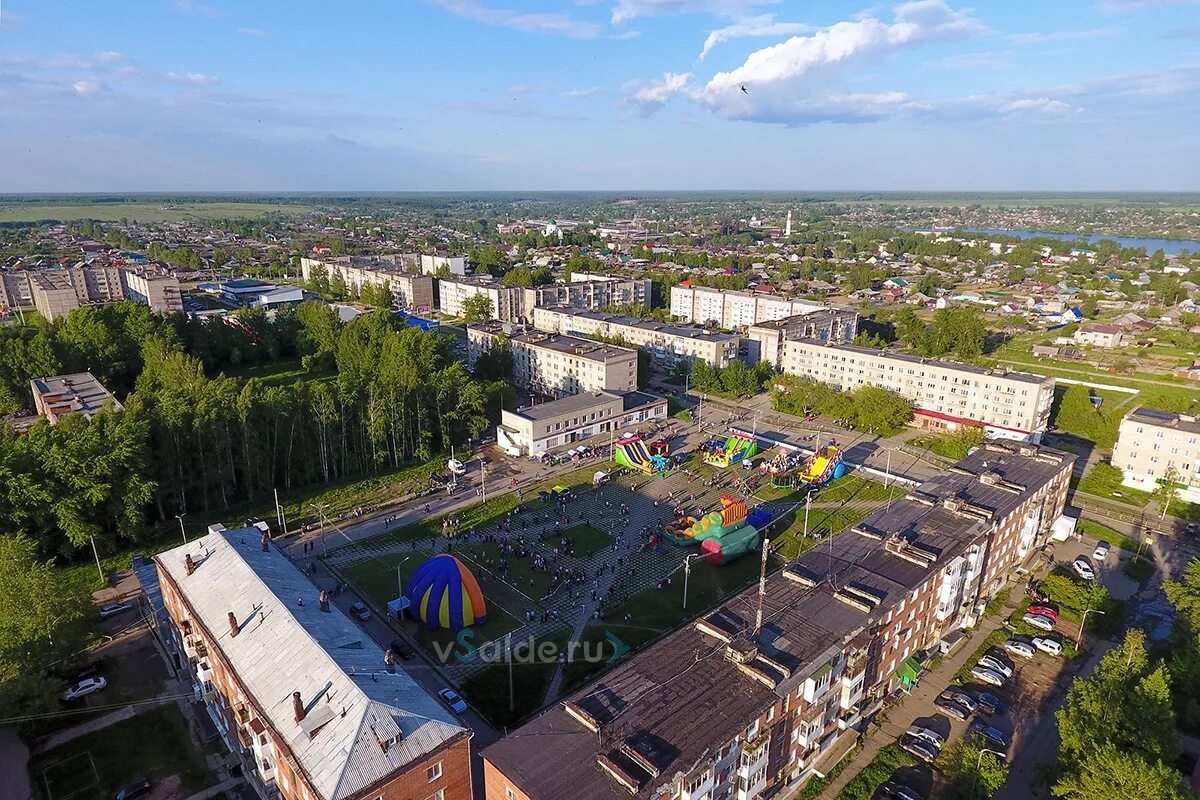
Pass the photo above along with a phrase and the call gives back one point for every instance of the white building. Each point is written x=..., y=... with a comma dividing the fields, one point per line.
x=538, y=429
x=1152, y=442
x=666, y=344
x=731, y=309
x=516, y=304
x=556, y=365
x=946, y=395
x=397, y=273
x=833, y=324
x=431, y=264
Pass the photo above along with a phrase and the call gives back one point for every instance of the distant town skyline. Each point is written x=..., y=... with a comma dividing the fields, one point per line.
x=931, y=95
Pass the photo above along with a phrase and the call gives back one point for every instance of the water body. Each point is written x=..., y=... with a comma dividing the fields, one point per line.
x=1169, y=246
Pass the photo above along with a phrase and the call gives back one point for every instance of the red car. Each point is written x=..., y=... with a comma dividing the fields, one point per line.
x=1049, y=613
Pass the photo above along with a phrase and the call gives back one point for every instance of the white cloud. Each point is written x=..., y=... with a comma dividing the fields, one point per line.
x=255, y=33
x=646, y=97
x=1064, y=36
x=87, y=87
x=1044, y=105
x=194, y=78
x=763, y=25
x=109, y=56
x=625, y=10
x=590, y=91
x=536, y=22
x=1130, y=6
x=984, y=60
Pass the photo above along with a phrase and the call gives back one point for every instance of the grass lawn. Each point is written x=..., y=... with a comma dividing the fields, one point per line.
x=1104, y=480
x=156, y=744
x=1089, y=528
x=279, y=373
x=588, y=540
x=1139, y=569
x=852, y=487
x=790, y=542
x=863, y=785
x=532, y=670
x=939, y=445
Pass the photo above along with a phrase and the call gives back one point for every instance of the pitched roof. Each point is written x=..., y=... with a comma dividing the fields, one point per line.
x=284, y=647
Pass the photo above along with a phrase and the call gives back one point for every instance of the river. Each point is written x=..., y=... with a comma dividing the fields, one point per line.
x=1169, y=246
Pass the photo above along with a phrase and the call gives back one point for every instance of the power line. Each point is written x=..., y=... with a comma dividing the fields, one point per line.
x=91, y=709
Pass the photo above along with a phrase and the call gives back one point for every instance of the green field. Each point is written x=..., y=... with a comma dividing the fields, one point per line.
x=531, y=673
x=164, y=211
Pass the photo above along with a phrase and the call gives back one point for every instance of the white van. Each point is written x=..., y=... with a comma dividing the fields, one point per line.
x=456, y=467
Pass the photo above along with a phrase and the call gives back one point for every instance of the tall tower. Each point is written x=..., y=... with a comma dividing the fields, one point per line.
x=787, y=230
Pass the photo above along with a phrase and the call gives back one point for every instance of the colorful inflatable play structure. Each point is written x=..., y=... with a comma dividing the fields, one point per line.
x=825, y=465
x=632, y=452
x=722, y=535
x=737, y=448
x=444, y=595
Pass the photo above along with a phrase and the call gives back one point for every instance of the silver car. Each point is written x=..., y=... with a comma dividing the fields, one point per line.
x=995, y=665
x=987, y=676
x=1039, y=621
x=1019, y=648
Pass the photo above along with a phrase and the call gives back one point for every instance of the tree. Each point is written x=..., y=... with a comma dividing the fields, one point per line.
x=478, y=308
x=976, y=773
x=1108, y=773
x=880, y=411
x=518, y=276
x=1184, y=595
x=495, y=364
x=1165, y=492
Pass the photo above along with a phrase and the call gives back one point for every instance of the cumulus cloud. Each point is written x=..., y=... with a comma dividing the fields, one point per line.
x=87, y=87
x=194, y=78
x=646, y=97
x=625, y=10
x=535, y=22
x=760, y=26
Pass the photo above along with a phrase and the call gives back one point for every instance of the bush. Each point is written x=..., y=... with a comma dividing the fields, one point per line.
x=1139, y=569
x=881, y=768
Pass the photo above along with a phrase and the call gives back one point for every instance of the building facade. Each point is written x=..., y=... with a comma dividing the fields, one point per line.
x=732, y=309
x=508, y=302
x=398, y=273
x=946, y=395
x=666, y=344
x=58, y=292
x=766, y=339
x=554, y=365
x=731, y=707
x=1099, y=335
x=297, y=691
x=1150, y=443
x=156, y=288
x=517, y=304
x=77, y=393
x=538, y=429
x=430, y=265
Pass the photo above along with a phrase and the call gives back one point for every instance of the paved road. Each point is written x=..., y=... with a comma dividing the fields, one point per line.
x=14, y=767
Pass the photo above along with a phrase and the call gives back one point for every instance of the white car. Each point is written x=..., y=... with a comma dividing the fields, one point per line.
x=995, y=665
x=1019, y=648
x=1039, y=621
x=1101, y=551
x=452, y=700
x=931, y=736
x=456, y=467
x=988, y=676
x=1048, y=646
x=112, y=609
x=1083, y=568
x=83, y=688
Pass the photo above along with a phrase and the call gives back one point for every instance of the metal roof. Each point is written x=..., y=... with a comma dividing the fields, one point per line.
x=287, y=644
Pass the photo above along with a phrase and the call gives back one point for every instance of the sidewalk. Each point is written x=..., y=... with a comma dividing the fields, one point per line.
x=917, y=704
x=100, y=723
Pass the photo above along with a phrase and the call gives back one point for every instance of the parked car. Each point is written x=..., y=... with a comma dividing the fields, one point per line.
x=1101, y=551
x=1083, y=568
x=981, y=728
x=952, y=707
x=962, y=697
x=988, y=676
x=361, y=611
x=921, y=748
x=989, y=703
x=1039, y=621
x=1019, y=647
x=921, y=732
x=112, y=609
x=83, y=688
x=1045, y=611
x=897, y=791
x=1048, y=646
x=452, y=700
x=456, y=467
x=995, y=665
x=132, y=790
x=402, y=650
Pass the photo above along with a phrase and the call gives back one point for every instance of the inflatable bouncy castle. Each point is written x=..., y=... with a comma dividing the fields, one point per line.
x=722, y=535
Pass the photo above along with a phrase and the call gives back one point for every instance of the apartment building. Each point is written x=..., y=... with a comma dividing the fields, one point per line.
x=829, y=324
x=399, y=273
x=556, y=365
x=1150, y=442
x=732, y=309
x=77, y=393
x=58, y=292
x=14, y=288
x=1099, y=335
x=666, y=344
x=517, y=304
x=430, y=265
x=541, y=428
x=736, y=706
x=156, y=288
x=946, y=395
x=307, y=701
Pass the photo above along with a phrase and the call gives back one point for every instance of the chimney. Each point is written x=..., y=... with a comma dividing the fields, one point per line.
x=266, y=541
x=189, y=564
x=233, y=625
x=297, y=707
x=325, y=600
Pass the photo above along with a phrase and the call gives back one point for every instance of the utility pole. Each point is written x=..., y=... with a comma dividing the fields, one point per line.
x=887, y=471
x=508, y=646
x=182, y=531
x=687, y=570
x=807, y=505
x=100, y=569
x=279, y=514
x=1083, y=622
x=762, y=587
x=482, y=479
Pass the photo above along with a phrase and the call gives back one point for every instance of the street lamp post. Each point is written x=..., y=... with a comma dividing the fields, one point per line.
x=807, y=505
x=887, y=470
x=1083, y=622
x=182, y=532
x=979, y=765
x=1146, y=541
x=320, y=507
x=687, y=570
x=482, y=479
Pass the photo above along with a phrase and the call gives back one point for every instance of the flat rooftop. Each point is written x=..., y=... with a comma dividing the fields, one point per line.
x=575, y=403
x=568, y=345
x=287, y=644
x=681, y=331
x=1163, y=419
x=1025, y=377
x=680, y=700
x=78, y=392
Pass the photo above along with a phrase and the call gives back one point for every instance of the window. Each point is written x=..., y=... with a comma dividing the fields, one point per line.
x=440, y=794
x=434, y=772
x=509, y=794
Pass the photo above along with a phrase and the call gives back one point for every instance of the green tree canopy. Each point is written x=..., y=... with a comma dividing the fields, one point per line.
x=1110, y=773
x=478, y=308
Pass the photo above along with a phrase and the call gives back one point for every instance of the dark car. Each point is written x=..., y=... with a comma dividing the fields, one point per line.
x=921, y=748
x=360, y=611
x=131, y=790
x=989, y=703
x=990, y=735
x=898, y=791
x=952, y=707
x=402, y=650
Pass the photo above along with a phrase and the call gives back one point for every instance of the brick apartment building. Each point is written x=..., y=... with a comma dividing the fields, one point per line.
x=295, y=688
x=727, y=709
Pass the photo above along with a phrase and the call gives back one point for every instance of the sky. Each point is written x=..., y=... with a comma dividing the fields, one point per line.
x=398, y=95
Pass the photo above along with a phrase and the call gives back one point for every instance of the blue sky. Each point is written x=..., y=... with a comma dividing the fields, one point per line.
x=599, y=94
